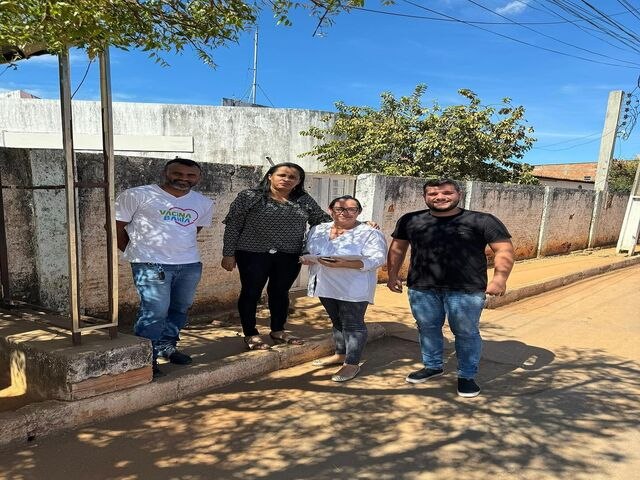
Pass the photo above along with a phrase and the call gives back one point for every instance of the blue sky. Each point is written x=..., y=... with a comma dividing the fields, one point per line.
x=365, y=53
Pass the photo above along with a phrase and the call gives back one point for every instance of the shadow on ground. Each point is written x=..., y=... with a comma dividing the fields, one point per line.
x=542, y=415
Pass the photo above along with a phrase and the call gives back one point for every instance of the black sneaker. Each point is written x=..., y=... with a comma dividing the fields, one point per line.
x=179, y=358
x=423, y=375
x=157, y=373
x=468, y=388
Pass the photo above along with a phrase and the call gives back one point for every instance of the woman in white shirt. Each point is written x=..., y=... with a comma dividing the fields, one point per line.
x=345, y=278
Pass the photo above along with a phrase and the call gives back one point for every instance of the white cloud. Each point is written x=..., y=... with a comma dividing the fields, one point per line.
x=513, y=8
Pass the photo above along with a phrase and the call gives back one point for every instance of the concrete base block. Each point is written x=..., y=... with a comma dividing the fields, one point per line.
x=43, y=361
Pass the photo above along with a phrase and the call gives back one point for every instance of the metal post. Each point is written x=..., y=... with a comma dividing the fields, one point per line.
x=4, y=255
x=254, y=85
x=109, y=189
x=70, y=191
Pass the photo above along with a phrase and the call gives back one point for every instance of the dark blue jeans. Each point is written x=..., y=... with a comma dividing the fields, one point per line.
x=349, y=329
x=166, y=293
x=462, y=309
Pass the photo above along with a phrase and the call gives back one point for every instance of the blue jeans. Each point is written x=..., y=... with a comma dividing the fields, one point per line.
x=349, y=330
x=462, y=309
x=166, y=293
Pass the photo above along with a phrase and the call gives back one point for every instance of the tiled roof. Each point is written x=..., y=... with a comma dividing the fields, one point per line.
x=578, y=172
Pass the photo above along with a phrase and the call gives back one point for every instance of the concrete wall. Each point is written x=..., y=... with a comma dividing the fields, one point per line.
x=518, y=207
x=228, y=135
x=19, y=223
x=218, y=288
x=36, y=229
x=566, y=220
x=614, y=206
x=542, y=220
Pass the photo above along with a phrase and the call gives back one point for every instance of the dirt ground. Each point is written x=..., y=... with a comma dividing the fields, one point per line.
x=561, y=400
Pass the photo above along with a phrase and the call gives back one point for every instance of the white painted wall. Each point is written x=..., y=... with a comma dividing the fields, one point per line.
x=227, y=135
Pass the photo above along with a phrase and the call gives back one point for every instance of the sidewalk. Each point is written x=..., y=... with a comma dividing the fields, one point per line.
x=220, y=357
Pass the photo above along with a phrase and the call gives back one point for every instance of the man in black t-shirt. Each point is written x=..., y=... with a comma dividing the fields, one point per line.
x=448, y=277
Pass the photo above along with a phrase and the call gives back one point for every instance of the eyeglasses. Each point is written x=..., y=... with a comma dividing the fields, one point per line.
x=349, y=210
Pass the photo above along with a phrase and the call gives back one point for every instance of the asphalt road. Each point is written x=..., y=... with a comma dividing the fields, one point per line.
x=561, y=400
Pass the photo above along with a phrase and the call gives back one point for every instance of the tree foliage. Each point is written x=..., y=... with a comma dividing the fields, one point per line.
x=621, y=175
x=155, y=26
x=404, y=137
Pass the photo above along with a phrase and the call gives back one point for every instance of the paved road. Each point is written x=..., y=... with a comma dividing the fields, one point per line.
x=561, y=400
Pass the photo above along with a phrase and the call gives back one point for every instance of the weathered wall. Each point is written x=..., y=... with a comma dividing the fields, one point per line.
x=19, y=224
x=611, y=216
x=518, y=207
x=228, y=135
x=566, y=220
x=218, y=288
x=542, y=220
x=50, y=232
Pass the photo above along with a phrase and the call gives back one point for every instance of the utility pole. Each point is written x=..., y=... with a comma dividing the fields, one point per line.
x=607, y=145
x=254, y=85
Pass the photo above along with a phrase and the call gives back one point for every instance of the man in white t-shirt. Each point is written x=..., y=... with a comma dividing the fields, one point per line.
x=157, y=227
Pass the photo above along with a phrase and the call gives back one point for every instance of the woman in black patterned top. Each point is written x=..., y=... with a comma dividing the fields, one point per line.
x=264, y=237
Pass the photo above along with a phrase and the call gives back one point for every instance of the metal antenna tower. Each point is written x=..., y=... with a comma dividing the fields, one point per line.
x=254, y=85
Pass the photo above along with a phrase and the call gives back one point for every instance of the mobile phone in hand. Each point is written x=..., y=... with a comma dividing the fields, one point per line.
x=328, y=259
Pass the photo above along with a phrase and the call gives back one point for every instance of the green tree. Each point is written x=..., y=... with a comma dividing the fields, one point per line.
x=155, y=26
x=404, y=137
x=622, y=174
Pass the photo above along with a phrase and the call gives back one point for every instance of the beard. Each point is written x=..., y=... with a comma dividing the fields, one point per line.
x=180, y=185
x=442, y=207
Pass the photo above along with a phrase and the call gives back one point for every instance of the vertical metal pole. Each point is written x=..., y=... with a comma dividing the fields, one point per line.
x=70, y=191
x=254, y=85
x=109, y=188
x=4, y=255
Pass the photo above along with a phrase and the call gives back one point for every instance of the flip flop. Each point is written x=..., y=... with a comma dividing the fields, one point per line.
x=345, y=378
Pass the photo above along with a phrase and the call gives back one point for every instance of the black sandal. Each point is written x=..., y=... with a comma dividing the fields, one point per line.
x=254, y=342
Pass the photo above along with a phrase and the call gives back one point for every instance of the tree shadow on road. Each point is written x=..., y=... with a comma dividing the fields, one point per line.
x=564, y=414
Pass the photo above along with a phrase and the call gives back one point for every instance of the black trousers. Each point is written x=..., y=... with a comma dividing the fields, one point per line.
x=256, y=269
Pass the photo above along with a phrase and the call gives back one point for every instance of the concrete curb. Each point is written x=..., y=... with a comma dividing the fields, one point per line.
x=538, y=288
x=40, y=419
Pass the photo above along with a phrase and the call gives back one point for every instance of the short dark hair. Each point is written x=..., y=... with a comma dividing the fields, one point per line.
x=345, y=197
x=298, y=190
x=438, y=182
x=182, y=161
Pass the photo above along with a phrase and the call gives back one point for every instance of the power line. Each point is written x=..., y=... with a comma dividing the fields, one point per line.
x=516, y=39
x=83, y=79
x=549, y=36
x=438, y=19
x=12, y=66
x=601, y=21
x=576, y=24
